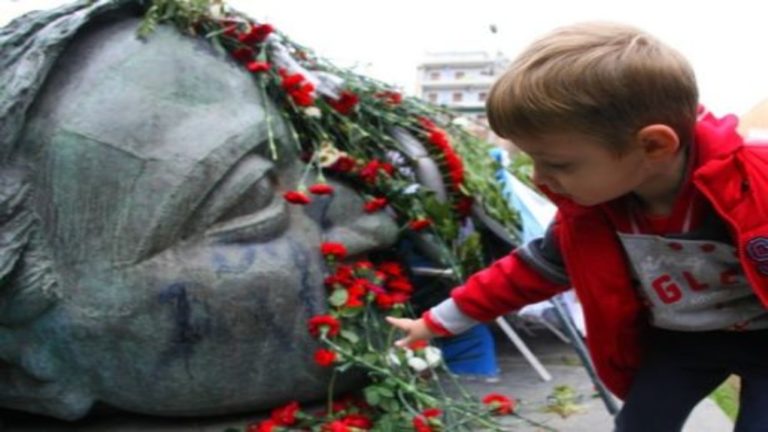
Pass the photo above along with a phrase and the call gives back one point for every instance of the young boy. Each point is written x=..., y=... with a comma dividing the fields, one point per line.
x=662, y=225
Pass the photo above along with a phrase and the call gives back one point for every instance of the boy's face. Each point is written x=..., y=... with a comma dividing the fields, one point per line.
x=584, y=169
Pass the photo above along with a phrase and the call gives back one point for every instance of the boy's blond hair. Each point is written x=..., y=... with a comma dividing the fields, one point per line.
x=605, y=80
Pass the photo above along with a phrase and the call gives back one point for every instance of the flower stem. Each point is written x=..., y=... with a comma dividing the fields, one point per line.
x=330, y=391
x=267, y=111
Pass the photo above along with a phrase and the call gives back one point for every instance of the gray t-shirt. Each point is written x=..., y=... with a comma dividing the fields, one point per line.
x=690, y=281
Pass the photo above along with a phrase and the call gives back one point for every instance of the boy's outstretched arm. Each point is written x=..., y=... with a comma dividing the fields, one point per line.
x=529, y=274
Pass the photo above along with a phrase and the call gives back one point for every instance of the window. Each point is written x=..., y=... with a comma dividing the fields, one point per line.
x=457, y=97
x=434, y=76
x=432, y=97
x=459, y=75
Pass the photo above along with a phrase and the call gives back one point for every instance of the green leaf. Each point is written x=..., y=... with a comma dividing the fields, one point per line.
x=338, y=298
x=386, y=392
x=371, y=394
x=390, y=405
x=470, y=253
x=371, y=357
x=349, y=312
x=350, y=336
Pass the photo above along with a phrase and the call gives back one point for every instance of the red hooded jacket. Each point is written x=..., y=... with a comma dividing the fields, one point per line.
x=734, y=179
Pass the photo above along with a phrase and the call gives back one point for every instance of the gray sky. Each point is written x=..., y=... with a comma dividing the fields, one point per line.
x=726, y=42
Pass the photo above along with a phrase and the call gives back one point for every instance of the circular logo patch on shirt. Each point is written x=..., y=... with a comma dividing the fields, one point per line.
x=757, y=251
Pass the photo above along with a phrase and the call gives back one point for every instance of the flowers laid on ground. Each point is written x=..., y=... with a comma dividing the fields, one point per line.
x=499, y=404
x=404, y=390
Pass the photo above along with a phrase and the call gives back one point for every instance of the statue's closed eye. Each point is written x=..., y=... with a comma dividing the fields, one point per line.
x=258, y=217
x=243, y=207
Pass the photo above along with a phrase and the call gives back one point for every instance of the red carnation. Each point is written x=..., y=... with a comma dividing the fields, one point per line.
x=285, y=415
x=345, y=104
x=387, y=168
x=291, y=82
x=427, y=123
x=321, y=189
x=298, y=88
x=357, y=421
x=263, y=31
x=325, y=357
x=335, y=426
x=243, y=54
x=464, y=206
x=390, y=97
x=343, y=164
x=375, y=205
x=355, y=294
x=420, y=424
x=296, y=197
x=258, y=66
x=455, y=167
x=419, y=224
x=335, y=250
x=319, y=322
x=386, y=301
x=343, y=276
x=400, y=285
x=439, y=139
x=423, y=422
x=391, y=268
x=370, y=171
x=256, y=34
x=263, y=426
x=303, y=97
x=499, y=404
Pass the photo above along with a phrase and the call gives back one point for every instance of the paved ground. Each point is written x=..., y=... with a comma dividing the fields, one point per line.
x=517, y=379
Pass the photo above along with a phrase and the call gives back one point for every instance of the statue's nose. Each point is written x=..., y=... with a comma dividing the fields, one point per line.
x=344, y=220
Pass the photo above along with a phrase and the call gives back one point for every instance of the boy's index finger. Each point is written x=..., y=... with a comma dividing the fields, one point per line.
x=398, y=322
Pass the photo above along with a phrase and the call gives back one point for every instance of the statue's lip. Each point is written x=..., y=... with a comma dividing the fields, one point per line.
x=264, y=225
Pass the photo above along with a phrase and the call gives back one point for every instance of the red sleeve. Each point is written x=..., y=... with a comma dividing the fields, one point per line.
x=434, y=326
x=506, y=285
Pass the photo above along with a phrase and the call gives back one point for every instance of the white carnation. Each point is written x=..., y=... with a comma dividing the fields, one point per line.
x=313, y=112
x=418, y=364
x=433, y=355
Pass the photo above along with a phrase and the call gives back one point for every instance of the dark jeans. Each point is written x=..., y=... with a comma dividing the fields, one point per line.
x=682, y=368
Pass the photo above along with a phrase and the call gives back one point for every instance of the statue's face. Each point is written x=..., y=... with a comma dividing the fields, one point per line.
x=185, y=279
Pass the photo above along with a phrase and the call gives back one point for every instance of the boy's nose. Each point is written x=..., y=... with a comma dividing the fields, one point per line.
x=540, y=178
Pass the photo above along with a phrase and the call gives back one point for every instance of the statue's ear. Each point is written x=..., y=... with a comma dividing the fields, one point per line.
x=27, y=285
x=33, y=377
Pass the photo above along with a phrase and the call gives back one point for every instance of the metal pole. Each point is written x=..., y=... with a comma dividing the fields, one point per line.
x=581, y=350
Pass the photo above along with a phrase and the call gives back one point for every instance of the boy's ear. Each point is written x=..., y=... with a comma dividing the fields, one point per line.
x=658, y=141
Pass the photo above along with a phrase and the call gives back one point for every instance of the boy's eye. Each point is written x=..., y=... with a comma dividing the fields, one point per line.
x=557, y=166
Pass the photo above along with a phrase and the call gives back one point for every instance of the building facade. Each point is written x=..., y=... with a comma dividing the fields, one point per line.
x=461, y=81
